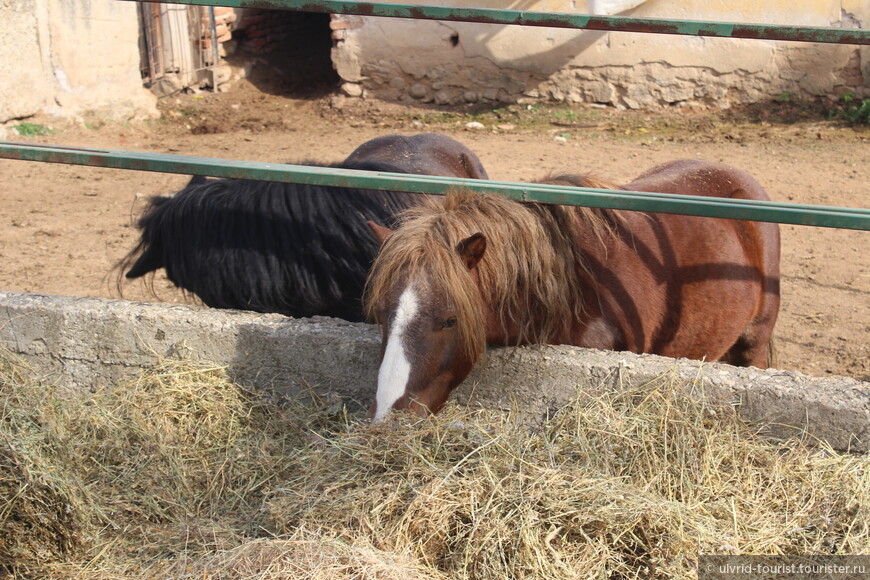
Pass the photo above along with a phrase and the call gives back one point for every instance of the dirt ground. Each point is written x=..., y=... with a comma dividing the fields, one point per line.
x=64, y=228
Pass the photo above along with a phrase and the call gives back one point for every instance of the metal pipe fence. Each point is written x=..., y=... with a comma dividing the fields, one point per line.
x=555, y=20
x=787, y=213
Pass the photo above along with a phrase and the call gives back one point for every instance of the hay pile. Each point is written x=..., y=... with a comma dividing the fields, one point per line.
x=184, y=474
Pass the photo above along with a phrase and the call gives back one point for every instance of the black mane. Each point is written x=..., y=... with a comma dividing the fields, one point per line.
x=289, y=248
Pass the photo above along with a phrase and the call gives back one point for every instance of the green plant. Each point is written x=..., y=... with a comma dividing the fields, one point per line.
x=565, y=114
x=858, y=114
x=32, y=129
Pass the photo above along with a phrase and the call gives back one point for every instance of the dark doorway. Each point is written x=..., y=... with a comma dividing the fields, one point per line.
x=290, y=52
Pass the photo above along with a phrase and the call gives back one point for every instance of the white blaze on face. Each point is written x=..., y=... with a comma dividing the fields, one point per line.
x=395, y=368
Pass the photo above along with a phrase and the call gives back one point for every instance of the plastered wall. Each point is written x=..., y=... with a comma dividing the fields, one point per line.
x=453, y=62
x=71, y=57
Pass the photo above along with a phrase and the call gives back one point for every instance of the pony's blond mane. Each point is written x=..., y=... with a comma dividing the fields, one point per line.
x=530, y=272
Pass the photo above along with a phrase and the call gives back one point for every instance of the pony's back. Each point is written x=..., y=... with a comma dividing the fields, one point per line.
x=422, y=154
x=744, y=258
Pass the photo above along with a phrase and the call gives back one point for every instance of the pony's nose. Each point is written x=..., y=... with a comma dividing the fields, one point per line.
x=414, y=406
x=420, y=408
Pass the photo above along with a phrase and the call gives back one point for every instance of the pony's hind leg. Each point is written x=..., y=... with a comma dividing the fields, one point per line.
x=754, y=348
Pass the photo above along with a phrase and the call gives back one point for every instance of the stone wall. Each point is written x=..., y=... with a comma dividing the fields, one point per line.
x=451, y=63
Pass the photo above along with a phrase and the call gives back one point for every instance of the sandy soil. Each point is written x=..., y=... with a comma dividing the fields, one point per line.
x=64, y=228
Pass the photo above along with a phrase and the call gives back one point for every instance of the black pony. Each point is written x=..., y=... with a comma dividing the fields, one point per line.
x=299, y=250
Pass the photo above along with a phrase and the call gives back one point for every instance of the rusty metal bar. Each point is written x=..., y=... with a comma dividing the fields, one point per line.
x=788, y=213
x=557, y=20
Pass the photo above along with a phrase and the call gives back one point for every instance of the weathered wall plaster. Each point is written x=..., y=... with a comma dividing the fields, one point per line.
x=71, y=57
x=450, y=63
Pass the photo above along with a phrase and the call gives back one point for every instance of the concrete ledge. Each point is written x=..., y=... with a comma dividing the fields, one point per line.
x=86, y=343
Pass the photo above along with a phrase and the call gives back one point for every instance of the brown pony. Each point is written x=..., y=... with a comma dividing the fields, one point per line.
x=472, y=270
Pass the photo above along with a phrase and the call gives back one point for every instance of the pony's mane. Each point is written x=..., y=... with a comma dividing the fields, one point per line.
x=265, y=246
x=530, y=269
x=600, y=222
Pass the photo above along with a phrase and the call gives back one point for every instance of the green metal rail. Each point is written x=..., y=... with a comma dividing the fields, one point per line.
x=787, y=213
x=556, y=20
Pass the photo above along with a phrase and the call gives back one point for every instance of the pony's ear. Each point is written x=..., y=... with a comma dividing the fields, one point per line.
x=471, y=249
x=379, y=232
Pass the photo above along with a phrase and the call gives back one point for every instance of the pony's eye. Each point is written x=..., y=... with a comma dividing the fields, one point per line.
x=449, y=323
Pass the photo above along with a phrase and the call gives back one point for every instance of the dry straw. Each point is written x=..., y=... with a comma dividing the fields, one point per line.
x=183, y=474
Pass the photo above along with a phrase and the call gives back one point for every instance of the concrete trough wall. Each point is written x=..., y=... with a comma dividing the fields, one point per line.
x=87, y=343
